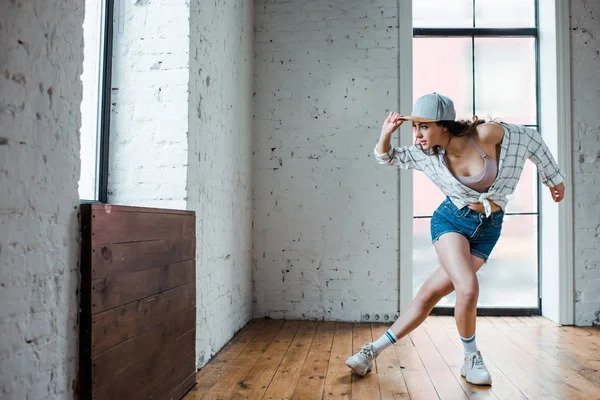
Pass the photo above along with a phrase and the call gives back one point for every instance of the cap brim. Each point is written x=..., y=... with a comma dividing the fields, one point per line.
x=417, y=119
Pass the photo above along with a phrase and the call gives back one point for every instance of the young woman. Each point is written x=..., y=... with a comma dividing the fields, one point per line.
x=476, y=165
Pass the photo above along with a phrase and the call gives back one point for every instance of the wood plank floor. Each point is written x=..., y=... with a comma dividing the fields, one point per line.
x=528, y=357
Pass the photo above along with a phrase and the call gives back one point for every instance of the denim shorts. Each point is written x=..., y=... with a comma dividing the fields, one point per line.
x=482, y=232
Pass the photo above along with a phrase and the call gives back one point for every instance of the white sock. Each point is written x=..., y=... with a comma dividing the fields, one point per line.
x=385, y=341
x=469, y=344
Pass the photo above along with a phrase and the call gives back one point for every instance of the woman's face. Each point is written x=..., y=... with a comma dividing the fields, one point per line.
x=428, y=134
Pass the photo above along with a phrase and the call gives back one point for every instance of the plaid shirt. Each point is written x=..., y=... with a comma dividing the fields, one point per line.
x=519, y=144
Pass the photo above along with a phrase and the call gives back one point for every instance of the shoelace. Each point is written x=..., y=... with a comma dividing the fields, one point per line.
x=367, y=352
x=477, y=360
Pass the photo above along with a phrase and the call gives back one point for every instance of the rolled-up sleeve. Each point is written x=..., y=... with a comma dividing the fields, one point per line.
x=406, y=157
x=540, y=155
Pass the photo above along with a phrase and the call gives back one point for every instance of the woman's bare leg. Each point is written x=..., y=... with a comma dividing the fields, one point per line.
x=453, y=252
x=433, y=289
x=455, y=258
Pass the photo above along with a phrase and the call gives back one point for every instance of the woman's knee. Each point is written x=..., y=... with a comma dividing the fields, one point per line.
x=468, y=290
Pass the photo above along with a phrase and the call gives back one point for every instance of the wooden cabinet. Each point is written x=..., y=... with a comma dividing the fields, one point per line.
x=138, y=303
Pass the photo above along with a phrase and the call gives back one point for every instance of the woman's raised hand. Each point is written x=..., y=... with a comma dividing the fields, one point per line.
x=391, y=123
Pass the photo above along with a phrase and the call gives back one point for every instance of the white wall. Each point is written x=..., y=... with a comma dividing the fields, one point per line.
x=220, y=170
x=585, y=67
x=325, y=214
x=148, y=135
x=41, y=58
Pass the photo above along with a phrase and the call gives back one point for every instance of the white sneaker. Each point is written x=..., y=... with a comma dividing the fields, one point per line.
x=362, y=362
x=474, y=370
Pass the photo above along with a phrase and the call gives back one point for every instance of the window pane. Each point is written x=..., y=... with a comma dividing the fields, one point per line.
x=454, y=80
x=508, y=279
x=505, y=79
x=505, y=13
x=92, y=41
x=524, y=198
x=426, y=196
x=443, y=14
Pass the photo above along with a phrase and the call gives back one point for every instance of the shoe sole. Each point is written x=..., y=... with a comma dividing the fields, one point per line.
x=358, y=372
x=485, y=383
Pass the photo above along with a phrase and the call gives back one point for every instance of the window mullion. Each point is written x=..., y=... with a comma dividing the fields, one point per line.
x=479, y=32
x=473, y=67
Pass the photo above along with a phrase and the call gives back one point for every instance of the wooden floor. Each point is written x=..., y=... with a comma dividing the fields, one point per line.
x=528, y=357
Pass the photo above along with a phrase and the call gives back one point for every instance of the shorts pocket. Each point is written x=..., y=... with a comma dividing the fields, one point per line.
x=496, y=219
x=457, y=212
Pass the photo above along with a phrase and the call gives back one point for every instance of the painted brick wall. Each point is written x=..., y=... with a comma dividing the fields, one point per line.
x=585, y=50
x=325, y=214
x=220, y=169
x=148, y=143
x=41, y=59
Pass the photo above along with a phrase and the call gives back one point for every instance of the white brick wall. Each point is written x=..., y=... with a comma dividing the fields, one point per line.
x=325, y=214
x=219, y=175
x=41, y=56
x=585, y=48
x=148, y=142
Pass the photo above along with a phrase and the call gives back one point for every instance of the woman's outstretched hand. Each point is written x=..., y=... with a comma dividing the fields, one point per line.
x=558, y=192
x=391, y=123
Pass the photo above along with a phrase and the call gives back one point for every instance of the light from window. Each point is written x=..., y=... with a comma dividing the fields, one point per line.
x=93, y=34
x=455, y=57
x=443, y=13
x=505, y=79
x=488, y=13
x=504, y=13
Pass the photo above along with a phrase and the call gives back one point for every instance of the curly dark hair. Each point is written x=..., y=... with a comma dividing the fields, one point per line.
x=458, y=128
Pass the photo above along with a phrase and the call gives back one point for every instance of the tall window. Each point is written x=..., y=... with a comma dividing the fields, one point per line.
x=97, y=32
x=483, y=55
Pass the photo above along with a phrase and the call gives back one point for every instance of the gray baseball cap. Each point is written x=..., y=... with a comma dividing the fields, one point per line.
x=431, y=108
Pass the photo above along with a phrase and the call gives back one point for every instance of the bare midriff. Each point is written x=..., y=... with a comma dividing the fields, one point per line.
x=479, y=207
